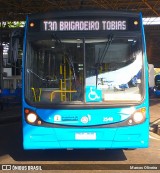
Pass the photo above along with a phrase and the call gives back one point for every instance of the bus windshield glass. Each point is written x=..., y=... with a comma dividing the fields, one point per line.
x=84, y=70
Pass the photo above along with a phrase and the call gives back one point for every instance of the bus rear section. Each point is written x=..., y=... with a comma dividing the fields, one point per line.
x=85, y=81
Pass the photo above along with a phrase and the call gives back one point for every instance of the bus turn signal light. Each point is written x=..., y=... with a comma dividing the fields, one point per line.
x=137, y=117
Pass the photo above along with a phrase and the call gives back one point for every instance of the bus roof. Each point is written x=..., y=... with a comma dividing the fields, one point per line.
x=80, y=13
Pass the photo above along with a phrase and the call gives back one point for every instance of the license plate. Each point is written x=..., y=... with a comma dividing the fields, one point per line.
x=85, y=136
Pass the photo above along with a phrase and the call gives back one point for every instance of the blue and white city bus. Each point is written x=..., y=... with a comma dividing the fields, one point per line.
x=85, y=81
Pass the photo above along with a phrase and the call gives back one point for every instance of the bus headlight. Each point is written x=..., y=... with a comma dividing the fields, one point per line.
x=137, y=117
x=31, y=118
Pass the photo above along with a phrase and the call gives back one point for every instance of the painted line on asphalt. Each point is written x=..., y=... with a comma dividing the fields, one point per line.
x=151, y=137
x=154, y=136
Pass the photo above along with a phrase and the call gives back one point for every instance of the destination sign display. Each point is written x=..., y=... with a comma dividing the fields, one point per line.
x=84, y=25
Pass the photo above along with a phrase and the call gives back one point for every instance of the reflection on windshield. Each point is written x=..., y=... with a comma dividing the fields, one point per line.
x=55, y=71
x=120, y=74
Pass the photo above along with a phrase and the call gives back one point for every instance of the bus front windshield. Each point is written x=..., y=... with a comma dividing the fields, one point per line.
x=86, y=71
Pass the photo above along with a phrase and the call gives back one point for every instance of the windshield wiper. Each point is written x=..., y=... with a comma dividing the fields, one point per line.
x=41, y=78
x=70, y=63
x=101, y=58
